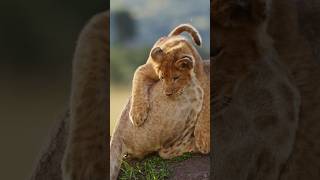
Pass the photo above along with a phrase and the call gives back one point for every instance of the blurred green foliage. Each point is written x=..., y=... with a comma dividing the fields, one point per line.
x=124, y=61
x=126, y=27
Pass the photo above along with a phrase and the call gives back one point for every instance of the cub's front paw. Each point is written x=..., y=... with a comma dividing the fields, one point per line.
x=138, y=114
x=202, y=137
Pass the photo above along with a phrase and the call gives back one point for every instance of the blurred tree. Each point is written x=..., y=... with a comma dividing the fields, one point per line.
x=125, y=26
x=124, y=61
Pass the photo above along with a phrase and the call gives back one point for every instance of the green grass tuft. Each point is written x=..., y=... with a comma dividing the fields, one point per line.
x=151, y=168
x=185, y=156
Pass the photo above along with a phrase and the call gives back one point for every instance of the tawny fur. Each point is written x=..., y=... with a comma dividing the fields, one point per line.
x=168, y=129
x=174, y=47
x=174, y=121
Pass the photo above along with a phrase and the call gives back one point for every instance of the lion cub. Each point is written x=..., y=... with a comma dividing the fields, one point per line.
x=166, y=56
x=175, y=115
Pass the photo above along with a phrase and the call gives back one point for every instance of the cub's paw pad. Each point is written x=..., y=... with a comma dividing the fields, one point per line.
x=138, y=115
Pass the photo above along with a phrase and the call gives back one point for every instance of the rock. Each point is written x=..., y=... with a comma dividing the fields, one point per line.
x=195, y=168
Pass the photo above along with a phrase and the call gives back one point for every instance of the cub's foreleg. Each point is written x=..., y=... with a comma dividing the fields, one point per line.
x=144, y=77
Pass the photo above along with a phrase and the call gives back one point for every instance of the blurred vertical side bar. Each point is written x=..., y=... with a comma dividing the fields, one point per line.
x=107, y=132
x=48, y=165
x=212, y=120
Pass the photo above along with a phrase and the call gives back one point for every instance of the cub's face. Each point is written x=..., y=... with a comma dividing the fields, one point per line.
x=173, y=63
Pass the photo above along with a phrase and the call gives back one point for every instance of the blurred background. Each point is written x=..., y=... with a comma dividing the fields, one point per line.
x=37, y=41
x=135, y=26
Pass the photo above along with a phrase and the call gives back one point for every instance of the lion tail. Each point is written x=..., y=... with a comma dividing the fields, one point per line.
x=187, y=28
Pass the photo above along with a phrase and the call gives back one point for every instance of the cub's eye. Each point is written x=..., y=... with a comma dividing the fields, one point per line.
x=176, y=77
x=161, y=77
x=186, y=57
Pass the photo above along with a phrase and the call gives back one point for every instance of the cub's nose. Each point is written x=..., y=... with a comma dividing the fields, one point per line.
x=168, y=93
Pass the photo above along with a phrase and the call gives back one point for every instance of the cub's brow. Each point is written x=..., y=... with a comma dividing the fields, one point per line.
x=171, y=43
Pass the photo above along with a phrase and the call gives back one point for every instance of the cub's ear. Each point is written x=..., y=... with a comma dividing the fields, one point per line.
x=184, y=63
x=187, y=28
x=237, y=12
x=157, y=54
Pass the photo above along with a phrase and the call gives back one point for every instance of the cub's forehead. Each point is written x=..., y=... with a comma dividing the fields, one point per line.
x=173, y=45
x=167, y=66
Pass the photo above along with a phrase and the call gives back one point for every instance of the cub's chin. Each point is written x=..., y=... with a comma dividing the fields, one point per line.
x=176, y=95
